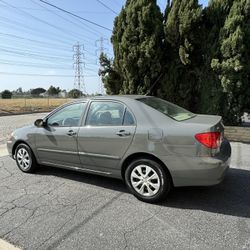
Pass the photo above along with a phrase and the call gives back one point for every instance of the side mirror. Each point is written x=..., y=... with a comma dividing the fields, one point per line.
x=40, y=123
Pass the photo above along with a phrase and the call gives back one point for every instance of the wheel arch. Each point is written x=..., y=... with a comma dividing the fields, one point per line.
x=144, y=155
x=18, y=143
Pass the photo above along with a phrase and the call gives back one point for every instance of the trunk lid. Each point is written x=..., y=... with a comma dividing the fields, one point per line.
x=211, y=123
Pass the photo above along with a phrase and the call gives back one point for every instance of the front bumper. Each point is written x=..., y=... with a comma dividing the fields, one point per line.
x=10, y=145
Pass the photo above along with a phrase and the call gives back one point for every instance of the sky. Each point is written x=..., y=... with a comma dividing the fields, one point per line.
x=36, y=41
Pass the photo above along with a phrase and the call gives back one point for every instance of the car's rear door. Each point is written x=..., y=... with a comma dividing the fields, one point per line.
x=56, y=143
x=106, y=135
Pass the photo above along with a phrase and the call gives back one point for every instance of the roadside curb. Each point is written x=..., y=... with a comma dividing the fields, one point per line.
x=25, y=113
x=3, y=150
x=4, y=245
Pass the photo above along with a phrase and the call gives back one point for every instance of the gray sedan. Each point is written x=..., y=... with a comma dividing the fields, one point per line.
x=151, y=144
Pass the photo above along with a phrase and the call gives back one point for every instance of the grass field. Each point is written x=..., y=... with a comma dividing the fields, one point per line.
x=30, y=104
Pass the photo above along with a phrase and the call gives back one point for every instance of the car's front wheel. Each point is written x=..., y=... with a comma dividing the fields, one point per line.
x=147, y=180
x=24, y=158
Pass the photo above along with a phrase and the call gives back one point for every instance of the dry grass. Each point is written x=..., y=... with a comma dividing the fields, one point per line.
x=34, y=104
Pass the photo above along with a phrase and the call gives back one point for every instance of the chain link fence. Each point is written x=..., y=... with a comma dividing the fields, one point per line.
x=19, y=104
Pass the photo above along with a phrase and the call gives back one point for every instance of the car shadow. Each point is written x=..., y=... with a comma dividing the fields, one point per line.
x=231, y=197
x=96, y=180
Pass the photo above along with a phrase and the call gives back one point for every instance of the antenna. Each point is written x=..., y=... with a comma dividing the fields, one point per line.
x=154, y=85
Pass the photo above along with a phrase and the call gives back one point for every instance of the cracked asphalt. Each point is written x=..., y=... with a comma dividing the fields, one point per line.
x=60, y=209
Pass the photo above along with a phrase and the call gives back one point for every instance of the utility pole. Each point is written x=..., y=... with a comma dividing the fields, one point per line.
x=101, y=49
x=78, y=62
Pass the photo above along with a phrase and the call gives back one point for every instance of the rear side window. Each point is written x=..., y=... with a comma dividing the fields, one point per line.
x=128, y=118
x=108, y=113
x=167, y=108
x=105, y=114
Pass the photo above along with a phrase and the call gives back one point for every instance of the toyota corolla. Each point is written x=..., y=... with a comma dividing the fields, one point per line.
x=152, y=144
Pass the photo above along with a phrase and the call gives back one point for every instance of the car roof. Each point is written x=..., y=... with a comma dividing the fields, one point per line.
x=110, y=97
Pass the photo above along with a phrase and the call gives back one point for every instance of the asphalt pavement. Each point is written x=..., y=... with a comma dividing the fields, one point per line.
x=60, y=209
x=12, y=122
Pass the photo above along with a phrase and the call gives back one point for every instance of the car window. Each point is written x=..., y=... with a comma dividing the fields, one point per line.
x=68, y=116
x=174, y=111
x=103, y=113
x=128, y=118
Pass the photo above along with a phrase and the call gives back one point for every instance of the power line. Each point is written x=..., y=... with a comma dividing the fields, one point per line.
x=27, y=27
x=88, y=30
x=76, y=11
x=32, y=40
x=72, y=14
x=107, y=7
x=46, y=75
x=35, y=65
x=27, y=53
x=31, y=30
x=40, y=53
x=42, y=21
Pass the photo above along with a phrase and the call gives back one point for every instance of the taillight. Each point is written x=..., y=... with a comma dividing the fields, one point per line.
x=209, y=139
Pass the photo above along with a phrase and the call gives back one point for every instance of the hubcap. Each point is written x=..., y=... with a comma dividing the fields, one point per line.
x=145, y=180
x=23, y=158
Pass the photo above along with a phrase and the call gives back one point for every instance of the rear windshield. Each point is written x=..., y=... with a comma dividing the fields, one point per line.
x=167, y=108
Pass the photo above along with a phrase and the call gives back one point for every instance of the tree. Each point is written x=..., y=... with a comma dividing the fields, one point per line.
x=37, y=91
x=233, y=62
x=110, y=77
x=19, y=91
x=137, y=42
x=182, y=35
x=212, y=97
x=75, y=93
x=6, y=94
x=54, y=90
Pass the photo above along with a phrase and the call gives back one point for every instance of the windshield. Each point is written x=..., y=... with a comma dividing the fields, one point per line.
x=167, y=108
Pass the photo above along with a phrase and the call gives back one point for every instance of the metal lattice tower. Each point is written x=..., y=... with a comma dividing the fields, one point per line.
x=101, y=49
x=78, y=66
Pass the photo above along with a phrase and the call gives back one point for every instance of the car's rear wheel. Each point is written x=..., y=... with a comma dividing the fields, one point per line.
x=147, y=180
x=24, y=158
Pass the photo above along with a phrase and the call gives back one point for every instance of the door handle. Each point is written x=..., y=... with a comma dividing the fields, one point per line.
x=71, y=133
x=123, y=133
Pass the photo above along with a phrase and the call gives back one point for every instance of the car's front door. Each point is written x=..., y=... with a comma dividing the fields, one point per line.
x=108, y=132
x=56, y=143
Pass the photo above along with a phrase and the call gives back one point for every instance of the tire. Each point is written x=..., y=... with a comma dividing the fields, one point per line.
x=147, y=180
x=25, y=159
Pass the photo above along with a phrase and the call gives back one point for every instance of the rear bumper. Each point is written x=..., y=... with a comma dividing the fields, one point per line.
x=205, y=173
x=202, y=171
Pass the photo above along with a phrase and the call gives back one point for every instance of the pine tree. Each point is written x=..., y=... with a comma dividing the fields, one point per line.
x=233, y=63
x=110, y=77
x=182, y=31
x=211, y=91
x=137, y=42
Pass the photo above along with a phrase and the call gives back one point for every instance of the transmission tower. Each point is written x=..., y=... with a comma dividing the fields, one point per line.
x=78, y=63
x=101, y=50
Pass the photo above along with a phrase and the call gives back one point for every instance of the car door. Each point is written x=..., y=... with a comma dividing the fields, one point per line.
x=56, y=142
x=109, y=130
